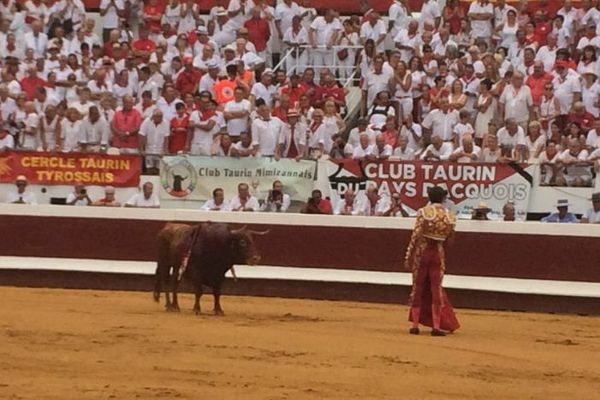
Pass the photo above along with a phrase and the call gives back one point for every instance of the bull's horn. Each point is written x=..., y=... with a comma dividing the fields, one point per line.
x=243, y=228
x=258, y=233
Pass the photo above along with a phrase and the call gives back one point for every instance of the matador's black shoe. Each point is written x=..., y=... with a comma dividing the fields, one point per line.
x=414, y=331
x=437, y=332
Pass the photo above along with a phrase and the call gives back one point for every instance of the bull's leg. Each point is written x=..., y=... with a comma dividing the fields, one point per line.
x=157, y=283
x=198, y=293
x=174, y=285
x=217, y=295
x=167, y=286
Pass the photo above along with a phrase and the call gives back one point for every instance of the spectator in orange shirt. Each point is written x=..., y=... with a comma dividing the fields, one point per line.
x=225, y=88
x=125, y=128
x=258, y=32
x=537, y=81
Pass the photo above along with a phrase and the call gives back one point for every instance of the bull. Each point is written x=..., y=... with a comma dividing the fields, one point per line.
x=209, y=251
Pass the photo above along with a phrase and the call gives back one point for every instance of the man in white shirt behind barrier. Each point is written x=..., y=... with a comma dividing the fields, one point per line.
x=21, y=195
x=217, y=203
x=244, y=201
x=145, y=199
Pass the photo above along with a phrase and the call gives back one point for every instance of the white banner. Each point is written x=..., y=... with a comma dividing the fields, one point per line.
x=195, y=177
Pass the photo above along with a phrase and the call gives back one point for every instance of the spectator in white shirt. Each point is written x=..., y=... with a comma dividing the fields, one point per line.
x=403, y=152
x=79, y=197
x=438, y=150
x=481, y=13
x=374, y=28
x=592, y=215
x=145, y=199
x=7, y=142
x=363, y=149
x=516, y=101
x=36, y=40
x=237, y=114
x=567, y=88
x=376, y=204
x=217, y=203
x=467, y=152
x=574, y=167
x=276, y=200
x=244, y=201
x=362, y=126
x=265, y=131
x=21, y=195
x=351, y=204
x=322, y=35
x=511, y=139
x=381, y=150
x=94, y=132
x=441, y=121
x=154, y=139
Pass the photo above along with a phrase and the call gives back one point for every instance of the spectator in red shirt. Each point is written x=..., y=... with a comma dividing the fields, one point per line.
x=282, y=109
x=125, y=128
x=331, y=90
x=316, y=204
x=537, y=81
x=144, y=46
x=31, y=82
x=308, y=80
x=153, y=13
x=258, y=32
x=542, y=28
x=581, y=116
x=294, y=90
x=188, y=79
x=179, y=130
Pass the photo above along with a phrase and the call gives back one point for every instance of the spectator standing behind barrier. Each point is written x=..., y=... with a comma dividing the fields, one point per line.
x=351, y=204
x=144, y=199
x=276, y=200
x=592, y=215
x=21, y=195
x=154, y=140
x=244, y=201
x=79, y=197
x=563, y=215
x=217, y=203
x=509, y=212
x=480, y=213
x=316, y=204
x=7, y=142
x=108, y=200
x=125, y=128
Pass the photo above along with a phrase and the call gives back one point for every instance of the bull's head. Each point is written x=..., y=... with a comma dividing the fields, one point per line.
x=244, y=250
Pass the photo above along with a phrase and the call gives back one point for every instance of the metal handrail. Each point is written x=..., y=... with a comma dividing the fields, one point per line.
x=334, y=65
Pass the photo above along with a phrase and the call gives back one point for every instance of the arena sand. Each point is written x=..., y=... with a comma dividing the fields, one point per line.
x=67, y=344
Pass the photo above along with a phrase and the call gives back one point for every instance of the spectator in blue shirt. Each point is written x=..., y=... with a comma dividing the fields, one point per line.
x=563, y=215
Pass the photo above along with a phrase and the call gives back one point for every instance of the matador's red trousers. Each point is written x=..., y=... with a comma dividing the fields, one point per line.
x=430, y=305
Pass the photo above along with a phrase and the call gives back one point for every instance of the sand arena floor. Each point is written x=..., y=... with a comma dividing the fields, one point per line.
x=67, y=344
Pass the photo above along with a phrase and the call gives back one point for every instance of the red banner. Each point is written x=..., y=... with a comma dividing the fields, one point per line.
x=467, y=184
x=71, y=168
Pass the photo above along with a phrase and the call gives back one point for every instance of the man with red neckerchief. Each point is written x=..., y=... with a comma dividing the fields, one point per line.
x=537, y=81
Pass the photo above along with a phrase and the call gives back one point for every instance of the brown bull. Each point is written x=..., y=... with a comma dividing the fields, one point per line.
x=206, y=251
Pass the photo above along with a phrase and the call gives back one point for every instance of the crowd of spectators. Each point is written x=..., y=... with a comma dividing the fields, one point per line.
x=489, y=82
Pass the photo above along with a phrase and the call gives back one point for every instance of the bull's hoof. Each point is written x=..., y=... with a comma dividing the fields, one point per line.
x=156, y=296
x=196, y=311
x=172, y=308
x=219, y=313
